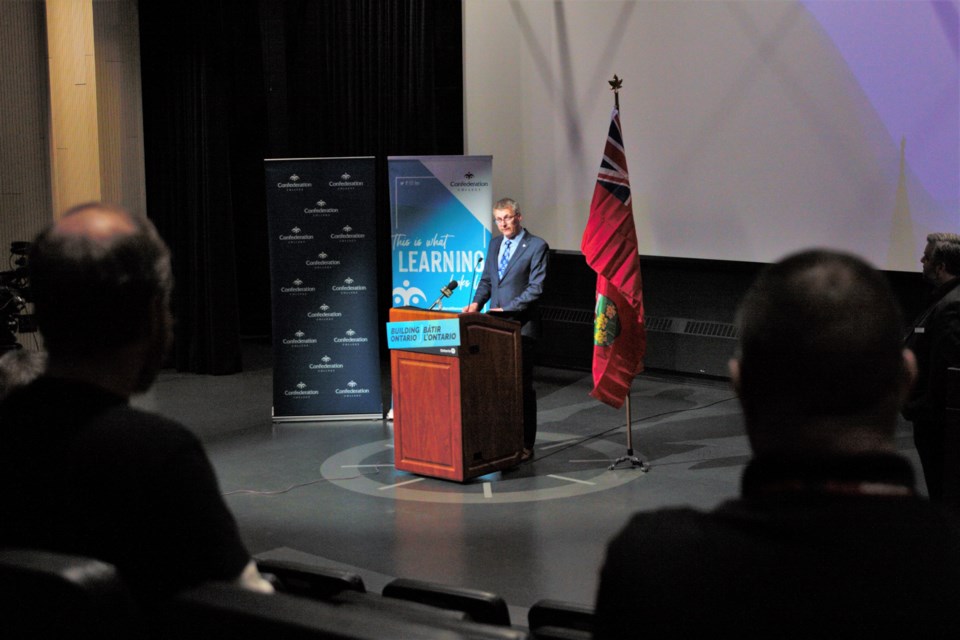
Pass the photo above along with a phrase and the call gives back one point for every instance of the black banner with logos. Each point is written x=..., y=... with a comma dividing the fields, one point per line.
x=323, y=267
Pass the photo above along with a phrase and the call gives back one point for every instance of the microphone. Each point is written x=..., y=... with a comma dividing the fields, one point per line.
x=447, y=290
x=444, y=293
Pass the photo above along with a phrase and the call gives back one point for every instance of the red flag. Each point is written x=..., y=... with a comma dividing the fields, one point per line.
x=610, y=247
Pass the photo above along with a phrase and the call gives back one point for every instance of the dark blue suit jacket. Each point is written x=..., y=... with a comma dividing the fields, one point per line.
x=519, y=291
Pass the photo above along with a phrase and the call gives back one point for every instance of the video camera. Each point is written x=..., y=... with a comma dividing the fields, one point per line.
x=14, y=296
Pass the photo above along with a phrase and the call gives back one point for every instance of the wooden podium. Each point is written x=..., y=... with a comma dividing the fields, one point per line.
x=458, y=416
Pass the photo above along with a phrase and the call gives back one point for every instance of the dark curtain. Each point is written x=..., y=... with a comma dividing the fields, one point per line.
x=229, y=83
x=189, y=128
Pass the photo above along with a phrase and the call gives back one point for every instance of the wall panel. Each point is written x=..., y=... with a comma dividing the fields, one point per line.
x=25, y=202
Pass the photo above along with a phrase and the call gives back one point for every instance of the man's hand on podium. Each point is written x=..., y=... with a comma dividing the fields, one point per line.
x=473, y=307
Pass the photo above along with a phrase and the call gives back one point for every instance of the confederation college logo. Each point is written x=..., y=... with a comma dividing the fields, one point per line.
x=348, y=233
x=326, y=365
x=301, y=391
x=351, y=338
x=294, y=183
x=298, y=288
x=349, y=286
x=468, y=183
x=346, y=181
x=324, y=313
x=322, y=261
x=353, y=389
x=296, y=236
x=321, y=209
x=299, y=339
x=606, y=324
x=406, y=295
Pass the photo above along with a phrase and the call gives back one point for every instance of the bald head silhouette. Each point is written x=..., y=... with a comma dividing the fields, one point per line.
x=101, y=284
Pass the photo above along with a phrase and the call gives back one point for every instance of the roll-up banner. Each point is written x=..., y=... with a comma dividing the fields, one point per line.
x=441, y=220
x=323, y=268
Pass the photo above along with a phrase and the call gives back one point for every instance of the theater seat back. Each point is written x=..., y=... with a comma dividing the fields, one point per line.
x=223, y=611
x=49, y=595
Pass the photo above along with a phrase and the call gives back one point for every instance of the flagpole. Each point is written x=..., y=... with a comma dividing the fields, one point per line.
x=634, y=461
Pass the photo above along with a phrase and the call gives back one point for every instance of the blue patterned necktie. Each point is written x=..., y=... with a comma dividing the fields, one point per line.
x=504, y=259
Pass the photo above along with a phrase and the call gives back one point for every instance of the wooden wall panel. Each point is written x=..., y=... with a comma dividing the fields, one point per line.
x=25, y=191
x=75, y=149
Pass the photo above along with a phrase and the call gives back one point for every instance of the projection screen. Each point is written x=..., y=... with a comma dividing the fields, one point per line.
x=752, y=128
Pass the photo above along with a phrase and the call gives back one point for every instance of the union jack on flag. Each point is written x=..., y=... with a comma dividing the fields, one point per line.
x=613, y=168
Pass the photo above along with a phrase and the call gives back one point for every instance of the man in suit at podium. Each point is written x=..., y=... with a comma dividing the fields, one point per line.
x=512, y=283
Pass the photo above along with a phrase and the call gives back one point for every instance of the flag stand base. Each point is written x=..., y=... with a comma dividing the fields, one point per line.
x=634, y=461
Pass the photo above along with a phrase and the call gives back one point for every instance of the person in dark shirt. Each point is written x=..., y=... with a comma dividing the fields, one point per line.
x=934, y=338
x=829, y=537
x=83, y=472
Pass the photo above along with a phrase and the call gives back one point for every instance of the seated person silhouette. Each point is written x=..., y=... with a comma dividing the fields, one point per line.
x=829, y=537
x=84, y=472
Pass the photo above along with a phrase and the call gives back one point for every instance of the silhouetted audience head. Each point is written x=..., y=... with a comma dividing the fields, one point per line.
x=820, y=365
x=18, y=367
x=101, y=282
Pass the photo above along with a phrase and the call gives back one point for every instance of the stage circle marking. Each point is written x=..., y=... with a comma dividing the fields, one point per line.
x=569, y=484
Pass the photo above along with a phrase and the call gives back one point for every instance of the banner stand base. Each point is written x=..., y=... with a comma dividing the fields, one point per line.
x=351, y=416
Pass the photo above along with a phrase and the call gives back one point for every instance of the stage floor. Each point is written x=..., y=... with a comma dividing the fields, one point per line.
x=327, y=493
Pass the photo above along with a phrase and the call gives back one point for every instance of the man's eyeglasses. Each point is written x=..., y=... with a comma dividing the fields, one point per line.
x=505, y=219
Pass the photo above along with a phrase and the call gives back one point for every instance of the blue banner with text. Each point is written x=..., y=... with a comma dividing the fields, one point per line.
x=440, y=208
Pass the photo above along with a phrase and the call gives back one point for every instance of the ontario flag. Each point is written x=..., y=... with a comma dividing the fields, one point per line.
x=610, y=247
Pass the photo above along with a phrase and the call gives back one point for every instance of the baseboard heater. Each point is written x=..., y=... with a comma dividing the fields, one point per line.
x=684, y=345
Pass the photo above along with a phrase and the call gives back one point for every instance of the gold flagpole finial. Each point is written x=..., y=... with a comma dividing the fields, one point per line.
x=615, y=85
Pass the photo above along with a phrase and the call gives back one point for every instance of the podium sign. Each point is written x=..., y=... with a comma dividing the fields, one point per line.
x=425, y=336
x=457, y=411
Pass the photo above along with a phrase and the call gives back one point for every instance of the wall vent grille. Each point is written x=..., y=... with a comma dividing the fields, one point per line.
x=685, y=326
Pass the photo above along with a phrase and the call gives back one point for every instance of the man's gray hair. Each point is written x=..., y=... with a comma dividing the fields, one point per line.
x=508, y=203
